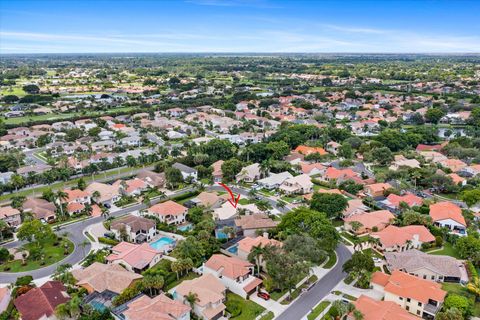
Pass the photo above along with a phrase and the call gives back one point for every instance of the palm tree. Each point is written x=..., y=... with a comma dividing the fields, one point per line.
x=177, y=267
x=96, y=195
x=191, y=298
x=146, y=201
x=474, y=287
x=84, y=244
x=60, y=196
x=153, y=283
x=229, y=231
x=105, y=213
x=357, y=315
x=88, y=209
x=255, y=256
x=342, y=308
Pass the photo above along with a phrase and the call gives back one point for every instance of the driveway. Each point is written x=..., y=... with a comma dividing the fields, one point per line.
x=320, y=290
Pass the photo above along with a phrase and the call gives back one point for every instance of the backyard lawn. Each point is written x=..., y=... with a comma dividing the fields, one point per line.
x=448, y=250
x=52, y=254
x=188, y=276
x=241, y=309
x=456, y=288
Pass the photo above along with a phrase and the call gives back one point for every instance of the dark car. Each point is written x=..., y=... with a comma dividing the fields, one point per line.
x=263, y=295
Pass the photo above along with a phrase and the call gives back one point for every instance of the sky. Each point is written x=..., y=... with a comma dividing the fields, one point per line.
x=231, y=26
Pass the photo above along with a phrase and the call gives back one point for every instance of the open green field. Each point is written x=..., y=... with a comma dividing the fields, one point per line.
x=52, y=253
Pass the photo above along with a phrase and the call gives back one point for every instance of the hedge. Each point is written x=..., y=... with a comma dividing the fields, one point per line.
x=108, y=241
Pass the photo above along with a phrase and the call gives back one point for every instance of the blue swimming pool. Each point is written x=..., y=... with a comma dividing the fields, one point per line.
x=233, y=249
x=160, y=243
x=186, y=227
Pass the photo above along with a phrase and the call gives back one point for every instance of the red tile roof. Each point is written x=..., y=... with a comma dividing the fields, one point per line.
x=42, y=301
x=446, y=210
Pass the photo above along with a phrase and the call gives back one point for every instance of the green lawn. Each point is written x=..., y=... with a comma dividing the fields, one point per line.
x=291, y=199
x=242, y=309
x=448, y=250
x=188, y=276
x=373, y=253
x=244, y=201
x=268, y=316
x=455, y=288
x=332, y=259
x=317, y=310
x=52, y=254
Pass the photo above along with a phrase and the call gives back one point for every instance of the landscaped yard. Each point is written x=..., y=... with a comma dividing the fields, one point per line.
x=373, y=253
x=268, y=316
x=456, y=288
x=188, y=276
x=52, y=253
x=317, y=310
x=295, y=293
x=242, y=309
x=448, y=250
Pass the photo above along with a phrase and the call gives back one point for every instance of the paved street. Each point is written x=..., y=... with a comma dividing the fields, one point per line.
x=322, y=288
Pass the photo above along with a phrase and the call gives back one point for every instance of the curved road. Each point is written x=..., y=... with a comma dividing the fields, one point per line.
x=294, y=312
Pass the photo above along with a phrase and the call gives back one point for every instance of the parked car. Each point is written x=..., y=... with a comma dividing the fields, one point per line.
x=263, y=295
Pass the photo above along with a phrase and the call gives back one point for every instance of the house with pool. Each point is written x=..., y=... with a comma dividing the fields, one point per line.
x=137, y=229
x=235, y=274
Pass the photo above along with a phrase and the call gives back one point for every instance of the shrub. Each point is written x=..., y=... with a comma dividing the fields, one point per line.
x=107, y=241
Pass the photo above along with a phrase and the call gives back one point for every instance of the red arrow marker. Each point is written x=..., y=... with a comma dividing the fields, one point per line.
x=233, y=201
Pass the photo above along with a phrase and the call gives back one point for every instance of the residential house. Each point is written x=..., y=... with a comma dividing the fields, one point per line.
x=217, y=171
x=210, y=293
x=300, y=184
x=377, y=189
x=107, y=194
x=40, y=208
x=448, y=215
x=400, y=161
x=33, y=169
x=187, y=172
x=459, y=181
x=427, y=266
x=134, y=257
x=132, y=187
x=152, y=178
x=313, y=169
x=423, y=298
x=372, y=309
x=160, y=307
x=11, y=216
x=274, y=180
x=393, y=201
x=207, y=200
x=249, y=225
x=169, y=212
x=339, y=175
x=235, y=274
x=305, y=150
x=76, y=200
x=99, y=277
x=333, y=147
x=369, y=221
x=246, y=244
x=355, y=206
x=40, y=303
x=5, y=296
x=135, y=229
x=249, y=173
x=394, y=238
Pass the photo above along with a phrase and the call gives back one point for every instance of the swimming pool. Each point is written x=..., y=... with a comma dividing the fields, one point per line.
x=233, y=249
x=160, y=243
x=186, y=227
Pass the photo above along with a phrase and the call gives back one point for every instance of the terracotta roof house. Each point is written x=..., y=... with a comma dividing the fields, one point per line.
x=449, y=215
x=132, y=187
x=138, y=229
x=313, y=168
x=426, y=266
x=393, y=200
x=377, y=189
x=420, y=297
x=370, y=221
x=301, y=184
x=234, y=273
x=457, y=179
x=169, y=212
x=160, y=307
x=210, y=292
x=355, y=206
x=208, y=199
x=99, y=277
x=380, y=310
x=246, y=244
x=394, y=238
x=40, y=303
x=40, y=208
x=400, y=161
x=77, y=196
x=249, y=224
x=454, y=164
x=339, y=175
x=305, y=150
x=135, y=257
x=152, y=178
x=11, y=216
x=217, y=171
x=249, y=173
x=109, y=194
x=425, y=147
